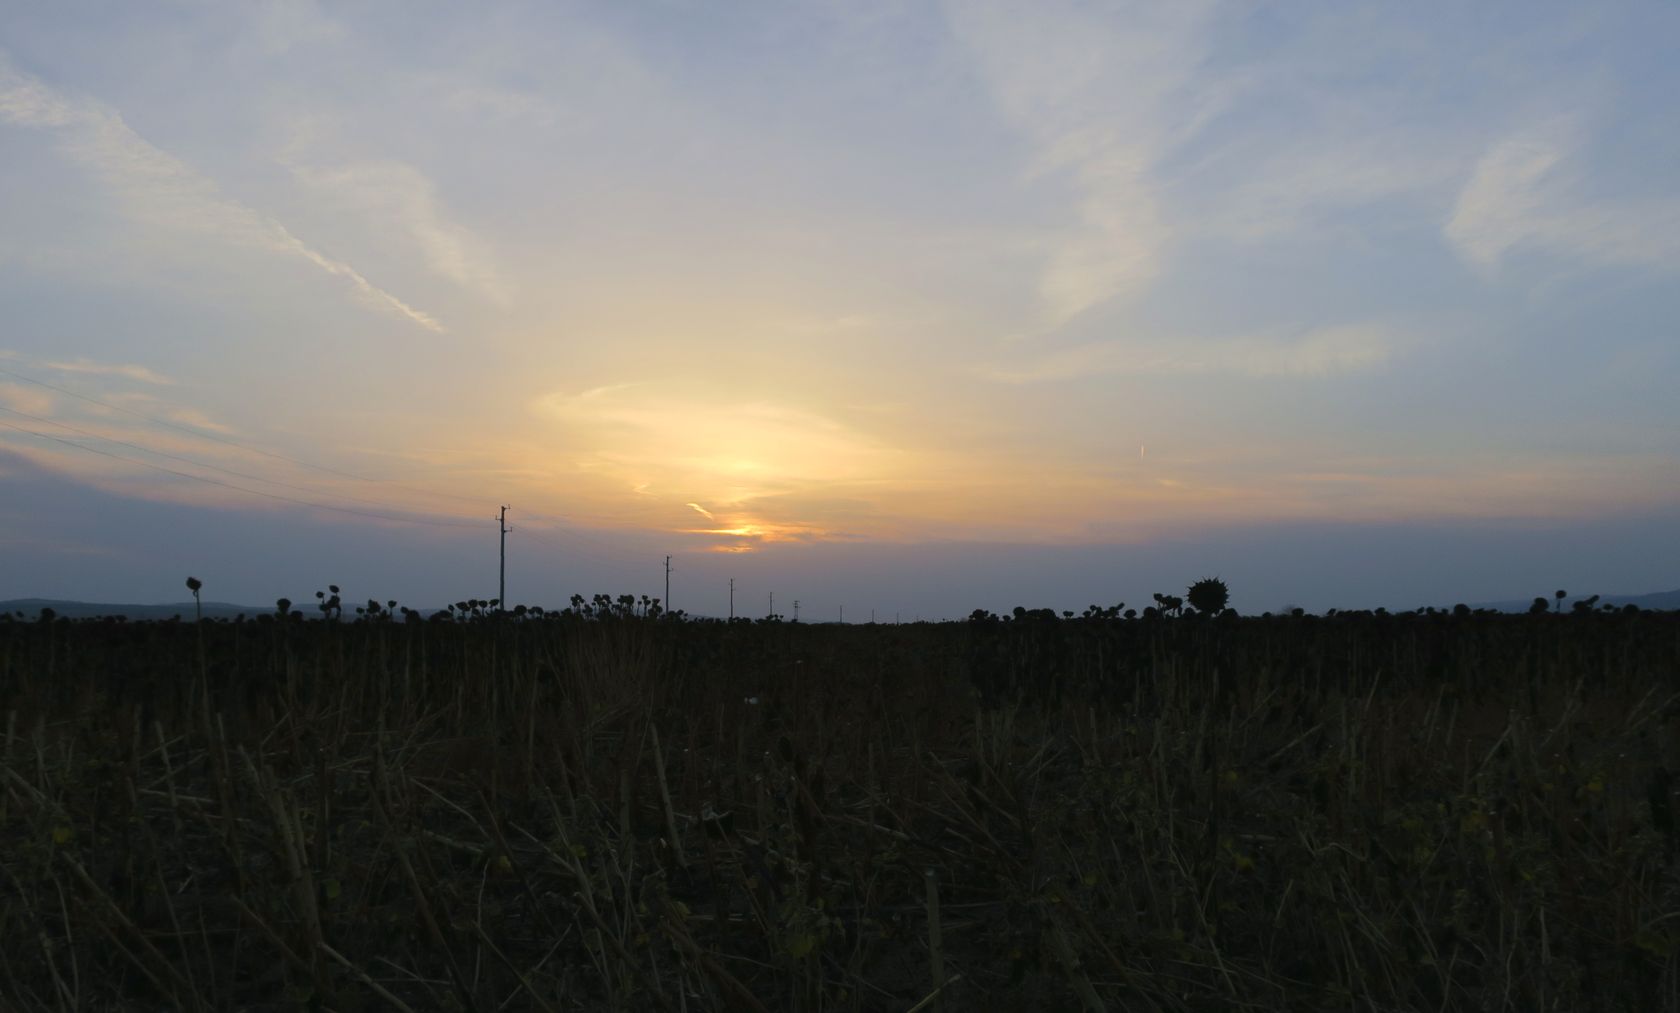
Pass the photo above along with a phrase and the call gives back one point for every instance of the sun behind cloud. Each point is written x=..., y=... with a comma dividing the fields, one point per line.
x=726, y=454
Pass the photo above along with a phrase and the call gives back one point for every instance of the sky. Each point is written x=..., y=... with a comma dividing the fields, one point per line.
x=910, y=307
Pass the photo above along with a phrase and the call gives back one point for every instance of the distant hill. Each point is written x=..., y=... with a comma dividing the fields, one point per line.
x=1664, y=600
x=31, y=609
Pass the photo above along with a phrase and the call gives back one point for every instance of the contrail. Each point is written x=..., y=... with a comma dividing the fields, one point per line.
x=160, y=188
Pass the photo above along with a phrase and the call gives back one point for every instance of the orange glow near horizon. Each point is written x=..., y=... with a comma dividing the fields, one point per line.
x=854, y=487
x=758, y=535
x=650, y=458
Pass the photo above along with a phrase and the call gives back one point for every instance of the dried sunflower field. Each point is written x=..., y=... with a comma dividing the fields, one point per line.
x=608, y=810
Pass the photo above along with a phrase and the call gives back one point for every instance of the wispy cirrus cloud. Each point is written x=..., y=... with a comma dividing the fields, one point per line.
x=1503, y=204
x=101, y=427
x=1090, y=89
x=1317, y=352
x=392, y=193
x=19, y=397
x=36, y=397
x=40, y=397
x=84, y=365
x=126, y=370
x=163, y=191
x=1526, y=194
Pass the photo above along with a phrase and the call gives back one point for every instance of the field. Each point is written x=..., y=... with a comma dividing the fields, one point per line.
x=630, y=812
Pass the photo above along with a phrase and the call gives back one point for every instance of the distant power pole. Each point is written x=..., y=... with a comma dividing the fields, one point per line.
x=501, y=579
x=732, y=597
x=667, y=585
x=772, y=604
x=796, y=610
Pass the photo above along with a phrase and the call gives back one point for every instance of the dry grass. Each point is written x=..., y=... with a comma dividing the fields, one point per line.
x=1366, y=812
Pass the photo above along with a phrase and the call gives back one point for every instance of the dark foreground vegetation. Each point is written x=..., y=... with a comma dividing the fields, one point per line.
x=625, y=811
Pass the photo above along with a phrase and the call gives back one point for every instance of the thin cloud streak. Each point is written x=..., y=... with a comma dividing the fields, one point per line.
x=160, y=189
x=390, y=192
x=84, y=365
x=127, y=371
x=1316, y=353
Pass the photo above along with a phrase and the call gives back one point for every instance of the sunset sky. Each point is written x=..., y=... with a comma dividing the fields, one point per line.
x=912, y=307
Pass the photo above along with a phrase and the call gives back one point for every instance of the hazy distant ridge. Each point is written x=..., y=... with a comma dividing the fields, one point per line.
x=31, y=608
x=1656, y=600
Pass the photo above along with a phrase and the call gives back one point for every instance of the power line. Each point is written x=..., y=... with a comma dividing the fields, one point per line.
x=202, y=464
x=201, y=434
x=176, y=426
x=562, y=524
x=554, y=538
x=562, y=536
x=182, y=459
x=435, y=522
x=557, y=520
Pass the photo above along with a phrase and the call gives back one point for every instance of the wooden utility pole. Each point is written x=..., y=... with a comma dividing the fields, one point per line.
x=667, y=585
x=501, y=578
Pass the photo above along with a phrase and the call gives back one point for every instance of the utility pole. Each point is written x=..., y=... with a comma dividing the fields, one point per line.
x=501, y=579
x=667, y=585
x=732, y=598
x=772, y=604
x=796, y=610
